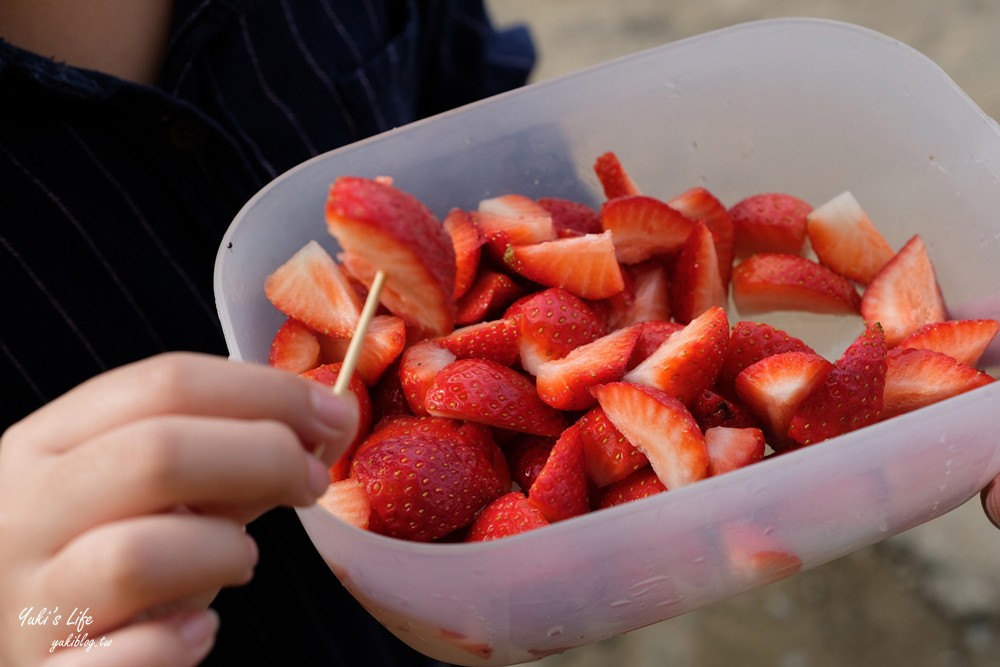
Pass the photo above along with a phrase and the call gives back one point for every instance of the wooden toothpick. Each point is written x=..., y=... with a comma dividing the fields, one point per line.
x=357, y=339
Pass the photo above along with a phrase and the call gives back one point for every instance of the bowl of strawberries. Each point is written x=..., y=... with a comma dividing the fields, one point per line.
x=650, y=335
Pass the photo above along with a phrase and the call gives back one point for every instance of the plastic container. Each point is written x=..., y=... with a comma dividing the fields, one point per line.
x=803, y=106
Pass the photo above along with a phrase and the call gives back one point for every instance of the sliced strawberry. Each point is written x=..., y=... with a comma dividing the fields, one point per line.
x=560, y=491
x=643, y=227
x=583, y=265
x=553, y=323
x=310, y=288
x=489, y=295
x=382, y=227
x=485, y=392
x=428, y=477
x=919, y=377
x=732, y=448
x=688, y=361
x=383, y=344
x=659, y=426
x=850, y=397
x=749, y=342
x=510, y=514
x=642, y=483
x=571, y=218
x=651, y=337
x=513, y=219
x=615, y=181
x=712, y=409
x=844, y=239
x=294, y=348
x=467, y=242
x=497, y=340
x=771, y=222
x=700, y=204
x=526, y=456
x=650, y=295
x=768, y=282
x=387, y=396
x=696, y=284
x=774, y=387
x=347, y=500
x=565, y=383
x=418, y=367
x=756, y=554
x=327, y=374
x=905, y=295
x=608, y=455
x=963, y=340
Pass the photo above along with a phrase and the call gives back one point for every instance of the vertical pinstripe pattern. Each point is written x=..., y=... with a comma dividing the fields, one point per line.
x=114, y=196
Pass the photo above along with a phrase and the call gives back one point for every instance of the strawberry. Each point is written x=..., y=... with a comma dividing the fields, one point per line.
x=467, y=242
x=651, y=336
x=583, y=265
x=712, y=409
x=905, y=295
x=771, y=222
x=850, y=396
x=485, y=392
x=327, y=374
x=294, y=347
x=382, y=227
x=642, y=483
x=427, y=477
x=749, y=342
x=489, y=295
x=510, y=514
x=963, y=340
x=844, y=239
x=756, y=554
x=347, y=500
x=560, y=491
x=553, y=323
x=700, y=204
x=696, y=284
x=770, y=281
x=650, y=295
x=614, y=179
x=387, y=395
x=570, y=218
x=643, y=227
x=384, y=342
x=310, y=288
x=608, y=455
x=526, y=456
x=419, y=365
x=689, y=360
x=497, y=340
x=774, y=387
x=658, y=425
x=513, y=220
x=732, y=448
x=565, y=383
x=919, y=377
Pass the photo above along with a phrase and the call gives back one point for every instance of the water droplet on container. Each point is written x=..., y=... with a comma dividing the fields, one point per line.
x=555, y=631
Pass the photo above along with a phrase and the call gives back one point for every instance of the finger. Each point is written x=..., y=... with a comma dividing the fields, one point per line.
x=121, y=570
x=193, y=384
x=180, y=640
x=233, y=468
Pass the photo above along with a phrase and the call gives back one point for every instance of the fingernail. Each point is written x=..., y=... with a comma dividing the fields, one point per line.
x=319, y=476
x=338, y=417
x=197, y=629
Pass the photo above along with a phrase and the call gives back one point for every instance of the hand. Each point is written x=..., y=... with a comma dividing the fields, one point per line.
x=126, y=500
x=990, y=498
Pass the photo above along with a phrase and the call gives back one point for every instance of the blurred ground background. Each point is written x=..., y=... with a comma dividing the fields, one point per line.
x=927, y=598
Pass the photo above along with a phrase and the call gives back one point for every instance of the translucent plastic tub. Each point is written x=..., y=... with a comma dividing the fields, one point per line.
x=807, y=107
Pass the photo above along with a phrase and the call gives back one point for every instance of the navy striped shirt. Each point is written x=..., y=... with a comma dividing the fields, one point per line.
x=114, y=196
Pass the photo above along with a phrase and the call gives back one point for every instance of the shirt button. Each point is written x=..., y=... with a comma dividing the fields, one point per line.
x=187, y=135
